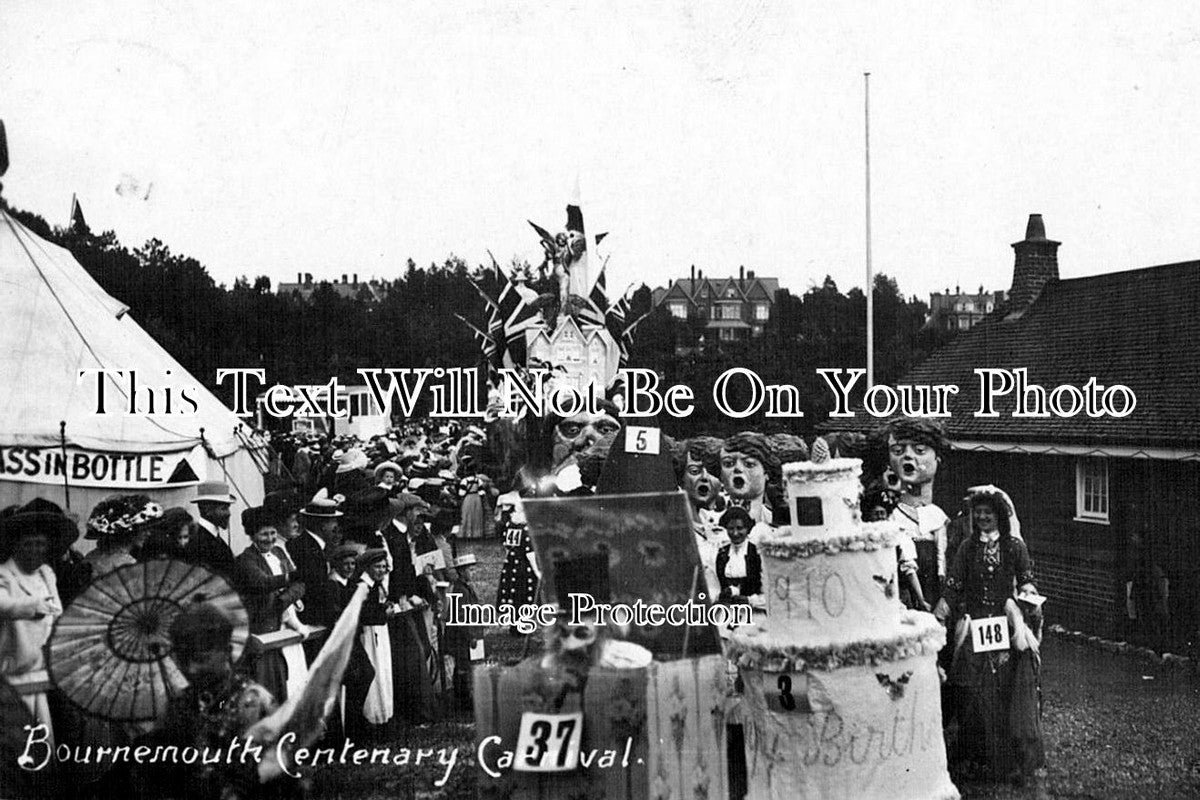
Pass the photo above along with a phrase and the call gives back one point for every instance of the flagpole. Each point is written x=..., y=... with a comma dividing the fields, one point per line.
x=870, y=289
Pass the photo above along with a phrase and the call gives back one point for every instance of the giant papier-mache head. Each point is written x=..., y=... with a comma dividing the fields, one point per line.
x=914, y=448
x=697, y=464
x=747, y=464
x=573, y=435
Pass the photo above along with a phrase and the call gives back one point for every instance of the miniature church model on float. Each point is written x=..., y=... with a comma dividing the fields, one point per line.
x=573, y=331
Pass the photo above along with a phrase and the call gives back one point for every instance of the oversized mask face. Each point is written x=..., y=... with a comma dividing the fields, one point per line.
x=914, y=463
x=743, y=476
x=578, y=433
x=575, y=642
x=699, y=483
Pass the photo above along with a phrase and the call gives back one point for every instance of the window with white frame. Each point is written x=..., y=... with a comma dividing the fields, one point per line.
x=761, y=311
x=1091, y=489
x=678, y=310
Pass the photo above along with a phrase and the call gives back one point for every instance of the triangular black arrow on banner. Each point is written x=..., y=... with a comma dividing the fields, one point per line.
x=183, y=473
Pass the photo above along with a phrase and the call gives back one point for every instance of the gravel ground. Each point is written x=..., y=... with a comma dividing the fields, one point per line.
x=1115, y=726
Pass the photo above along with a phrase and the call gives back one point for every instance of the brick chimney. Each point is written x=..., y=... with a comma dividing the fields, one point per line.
x=1036, y=264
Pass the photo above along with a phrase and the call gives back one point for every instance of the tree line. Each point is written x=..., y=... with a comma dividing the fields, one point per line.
x=206, y=326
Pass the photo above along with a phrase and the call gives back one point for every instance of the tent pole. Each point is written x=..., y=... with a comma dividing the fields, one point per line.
x=62, y=442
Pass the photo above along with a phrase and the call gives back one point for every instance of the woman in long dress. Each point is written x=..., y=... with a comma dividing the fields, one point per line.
x=265, y=579
x=991, y=578
x=370, y=719
x=518, y=578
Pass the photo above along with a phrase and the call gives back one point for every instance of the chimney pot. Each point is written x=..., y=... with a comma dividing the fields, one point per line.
x=750, y=274
x=1035, y=265
x=299, y=278
x=1035, y=230
x=356, y=279
x=693, y=272
x=742, y=273
x=343, y=277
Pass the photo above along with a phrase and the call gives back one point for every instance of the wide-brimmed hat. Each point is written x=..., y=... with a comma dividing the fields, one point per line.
x=350, y=460
x=117, y=516
x=38, y=516
x=284, y=502
x=258, y=517
x=369, y=505
x=392, y=465
x=213, y=492
x=321, y=508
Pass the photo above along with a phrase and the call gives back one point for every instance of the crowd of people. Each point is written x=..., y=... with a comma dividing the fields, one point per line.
x=394, y=513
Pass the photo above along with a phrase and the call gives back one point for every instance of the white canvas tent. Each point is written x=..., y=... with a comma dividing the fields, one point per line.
x=55, y=321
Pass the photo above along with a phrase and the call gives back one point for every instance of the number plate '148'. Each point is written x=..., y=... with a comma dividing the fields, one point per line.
x=989, y=633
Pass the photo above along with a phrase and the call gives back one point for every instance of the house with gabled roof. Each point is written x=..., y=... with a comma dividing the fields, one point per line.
x=1090, y=491
x=732, y=309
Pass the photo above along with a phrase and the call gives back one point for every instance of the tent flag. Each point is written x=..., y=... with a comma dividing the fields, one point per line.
x=486, y=343
x=626, y=340
x=614, y=318
x=579, y=281
x=515, y=310
x=78, y=225
x=594, y=311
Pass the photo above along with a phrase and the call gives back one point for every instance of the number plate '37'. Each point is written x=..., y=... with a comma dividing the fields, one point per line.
x=549, y=742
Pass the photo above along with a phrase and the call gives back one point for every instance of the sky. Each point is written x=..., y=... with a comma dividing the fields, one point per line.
x=275, y=138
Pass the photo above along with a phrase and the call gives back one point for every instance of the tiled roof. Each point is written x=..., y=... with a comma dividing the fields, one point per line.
x=750, y=288
x=1139, y=328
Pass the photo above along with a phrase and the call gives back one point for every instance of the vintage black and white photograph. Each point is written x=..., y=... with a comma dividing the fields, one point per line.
x=643, y=400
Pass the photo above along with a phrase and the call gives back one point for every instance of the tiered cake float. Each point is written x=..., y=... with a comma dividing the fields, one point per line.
x=842, y=690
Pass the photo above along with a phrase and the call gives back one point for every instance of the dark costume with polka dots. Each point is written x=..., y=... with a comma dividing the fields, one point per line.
x=518, y=583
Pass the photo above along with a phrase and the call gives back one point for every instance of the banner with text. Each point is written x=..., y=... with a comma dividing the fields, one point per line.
x=102, y=469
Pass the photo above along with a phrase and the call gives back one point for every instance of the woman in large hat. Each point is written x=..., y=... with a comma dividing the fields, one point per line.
x=29, y=601
x=119, y=526
x=266, y=580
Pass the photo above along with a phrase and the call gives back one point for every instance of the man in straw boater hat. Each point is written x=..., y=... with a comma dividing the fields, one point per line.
x=319, y=522
x=213, y=502
x=29, y=601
